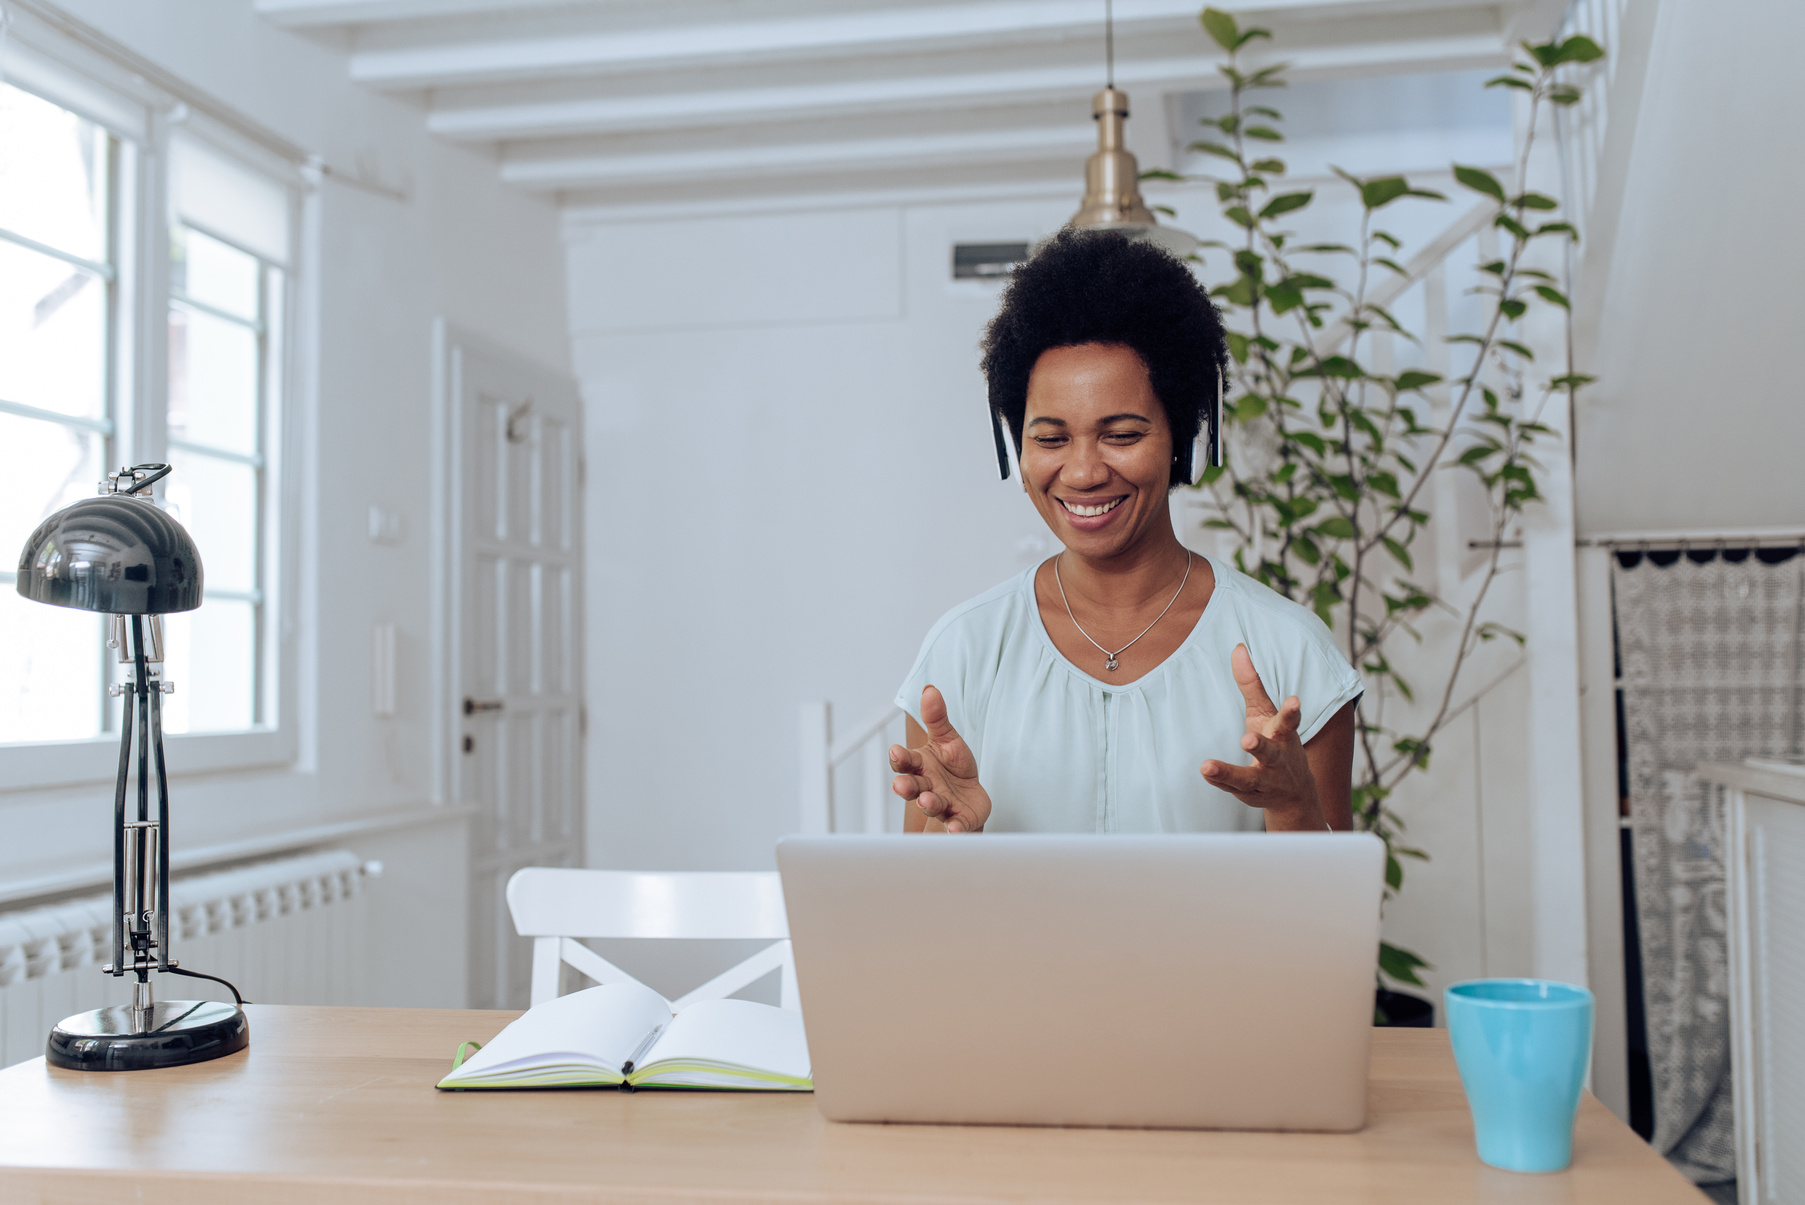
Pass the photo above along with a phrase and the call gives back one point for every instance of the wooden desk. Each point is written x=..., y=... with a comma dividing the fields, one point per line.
x=337, y=1105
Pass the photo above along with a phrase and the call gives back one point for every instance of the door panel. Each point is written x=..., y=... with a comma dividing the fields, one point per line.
x=518, y=677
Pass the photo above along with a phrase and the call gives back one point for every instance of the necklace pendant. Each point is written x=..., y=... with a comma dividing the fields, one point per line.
x=1111, y=663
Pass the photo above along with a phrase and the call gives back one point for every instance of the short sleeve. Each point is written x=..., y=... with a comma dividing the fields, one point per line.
x=959, y=658
x=940, y=664
x=1296, y=654
x=1330, y=684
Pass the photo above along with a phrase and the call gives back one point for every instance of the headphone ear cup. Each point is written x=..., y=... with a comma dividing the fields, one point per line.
x=1206, y=449
x=1002, y=439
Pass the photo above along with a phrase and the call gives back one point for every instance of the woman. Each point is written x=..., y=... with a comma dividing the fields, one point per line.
x=1079, y=695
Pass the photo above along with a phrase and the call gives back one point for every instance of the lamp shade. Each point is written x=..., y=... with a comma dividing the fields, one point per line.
x=118, y=554
x=1112, y=189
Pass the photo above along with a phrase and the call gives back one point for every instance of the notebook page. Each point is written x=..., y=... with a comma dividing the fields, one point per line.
x=737, y=1033
x=602, y=1026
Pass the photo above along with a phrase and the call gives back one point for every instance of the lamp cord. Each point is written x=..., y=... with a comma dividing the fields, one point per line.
x=215, y=978
x=1109, y=43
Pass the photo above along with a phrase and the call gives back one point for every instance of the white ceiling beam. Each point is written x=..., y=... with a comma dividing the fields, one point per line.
x=755, y=106
x=744, y=162
x=855, y=98
x=314, y=14
x=974, y=25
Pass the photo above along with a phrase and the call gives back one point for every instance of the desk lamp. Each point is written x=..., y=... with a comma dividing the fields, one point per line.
x=121, y=555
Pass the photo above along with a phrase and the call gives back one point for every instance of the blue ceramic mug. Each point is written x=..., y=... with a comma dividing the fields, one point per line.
x=1522, y=1046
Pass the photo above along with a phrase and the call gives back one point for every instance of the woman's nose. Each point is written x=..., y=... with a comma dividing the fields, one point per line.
x=1085, y=468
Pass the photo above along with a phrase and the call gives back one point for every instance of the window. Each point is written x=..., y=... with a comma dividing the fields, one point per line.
x=101, y=286
x=57, y=315
x=223, y=309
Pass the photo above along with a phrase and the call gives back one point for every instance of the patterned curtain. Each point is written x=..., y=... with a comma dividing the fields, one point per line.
x=1710, y=649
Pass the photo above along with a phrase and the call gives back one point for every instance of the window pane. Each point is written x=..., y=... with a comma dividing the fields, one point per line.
x=52, y=333
x=51, y=687
x=212, y=381
x=44, y=467
x=211, y=272
x=216, y=500
x=210, y=655
x=53, y=166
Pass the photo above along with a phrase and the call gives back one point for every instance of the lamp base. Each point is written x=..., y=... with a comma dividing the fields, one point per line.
x=121, y=1038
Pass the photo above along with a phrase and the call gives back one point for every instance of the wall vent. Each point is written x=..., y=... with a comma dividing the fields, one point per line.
x=987, y=261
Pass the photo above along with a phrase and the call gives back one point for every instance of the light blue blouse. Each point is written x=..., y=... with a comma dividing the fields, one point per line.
x=1060, y=751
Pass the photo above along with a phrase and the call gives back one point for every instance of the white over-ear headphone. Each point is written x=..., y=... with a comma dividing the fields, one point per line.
x=1206, y=453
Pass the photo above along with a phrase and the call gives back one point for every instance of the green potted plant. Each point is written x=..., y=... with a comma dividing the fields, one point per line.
x=1328, y=512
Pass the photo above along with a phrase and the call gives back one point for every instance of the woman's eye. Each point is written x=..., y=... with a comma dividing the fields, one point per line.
x=1049, y=441
x=1123, y=438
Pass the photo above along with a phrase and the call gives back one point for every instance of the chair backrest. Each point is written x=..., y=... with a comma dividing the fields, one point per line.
x=555, y=906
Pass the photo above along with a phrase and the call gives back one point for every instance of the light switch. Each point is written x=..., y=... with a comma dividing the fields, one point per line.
x=385, y=526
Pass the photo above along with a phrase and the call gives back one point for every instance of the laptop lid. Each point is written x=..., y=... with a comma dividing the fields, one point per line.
x=1198, y=980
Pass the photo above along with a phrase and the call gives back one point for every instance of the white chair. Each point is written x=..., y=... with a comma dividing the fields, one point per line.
x=555, y=907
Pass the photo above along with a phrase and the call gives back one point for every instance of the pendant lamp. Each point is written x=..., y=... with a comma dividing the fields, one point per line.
x=1112, y=187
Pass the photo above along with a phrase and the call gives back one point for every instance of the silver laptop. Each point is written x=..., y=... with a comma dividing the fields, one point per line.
x=1210, y=981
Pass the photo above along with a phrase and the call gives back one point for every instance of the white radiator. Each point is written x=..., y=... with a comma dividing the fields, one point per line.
x=286, y=931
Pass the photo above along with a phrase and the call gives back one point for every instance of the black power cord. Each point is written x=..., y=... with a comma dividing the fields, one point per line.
x=215, y=978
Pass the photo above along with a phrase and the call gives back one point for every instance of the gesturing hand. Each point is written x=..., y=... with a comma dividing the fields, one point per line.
x=1279, y=780
x=941, y=777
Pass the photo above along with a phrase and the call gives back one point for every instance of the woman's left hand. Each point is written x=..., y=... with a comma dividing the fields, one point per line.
x=1279, y=781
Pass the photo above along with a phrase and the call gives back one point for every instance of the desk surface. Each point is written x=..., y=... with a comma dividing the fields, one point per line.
x=337, y=1104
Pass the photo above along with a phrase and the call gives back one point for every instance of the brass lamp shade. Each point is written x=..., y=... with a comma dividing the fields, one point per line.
x=117, y=554
x=1112, y=189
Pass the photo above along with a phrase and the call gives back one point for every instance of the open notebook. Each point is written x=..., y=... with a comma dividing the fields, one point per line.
x=625, y=1034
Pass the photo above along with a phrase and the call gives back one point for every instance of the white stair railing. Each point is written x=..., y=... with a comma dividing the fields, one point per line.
x=846, y=783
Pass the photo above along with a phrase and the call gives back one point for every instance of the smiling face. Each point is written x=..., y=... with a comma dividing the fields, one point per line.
x=1097, y=450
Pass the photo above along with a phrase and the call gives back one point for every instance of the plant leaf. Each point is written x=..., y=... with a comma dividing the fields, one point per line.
x=1160, y=173
x=1383, y=191
x=1221, y=27
x=1505, y=222
x=1415, y=379
x=1578, y=49
x=1510, y=81
x=1263, y=133
x=1479, y=180
x=1400, y=964
x=1549, y=293
x=1285, y=202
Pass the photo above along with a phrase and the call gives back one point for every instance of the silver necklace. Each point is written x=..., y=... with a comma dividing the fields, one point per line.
x=1111, y=663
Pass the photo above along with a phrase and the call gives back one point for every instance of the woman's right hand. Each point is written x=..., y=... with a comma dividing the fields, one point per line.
x=941, y=776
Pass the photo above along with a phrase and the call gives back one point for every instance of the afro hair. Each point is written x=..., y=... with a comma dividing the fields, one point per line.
x=1101, y=287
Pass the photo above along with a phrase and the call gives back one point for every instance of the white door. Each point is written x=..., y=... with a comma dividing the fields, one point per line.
x=515, y=678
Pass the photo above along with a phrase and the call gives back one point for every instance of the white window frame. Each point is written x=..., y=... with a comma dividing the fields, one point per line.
x=141, y=106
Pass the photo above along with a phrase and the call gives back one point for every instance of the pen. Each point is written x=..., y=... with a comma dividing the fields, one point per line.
x=627, y=1068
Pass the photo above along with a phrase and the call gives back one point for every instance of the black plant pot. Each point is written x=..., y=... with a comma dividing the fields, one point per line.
x=1402, y=1010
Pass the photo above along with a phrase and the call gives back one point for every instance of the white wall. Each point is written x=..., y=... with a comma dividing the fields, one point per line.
x=460, y=246
x=1695, y=422
x=791, y=476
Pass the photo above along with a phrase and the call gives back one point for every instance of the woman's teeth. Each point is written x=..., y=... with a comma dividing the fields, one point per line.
x=1091, y=512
